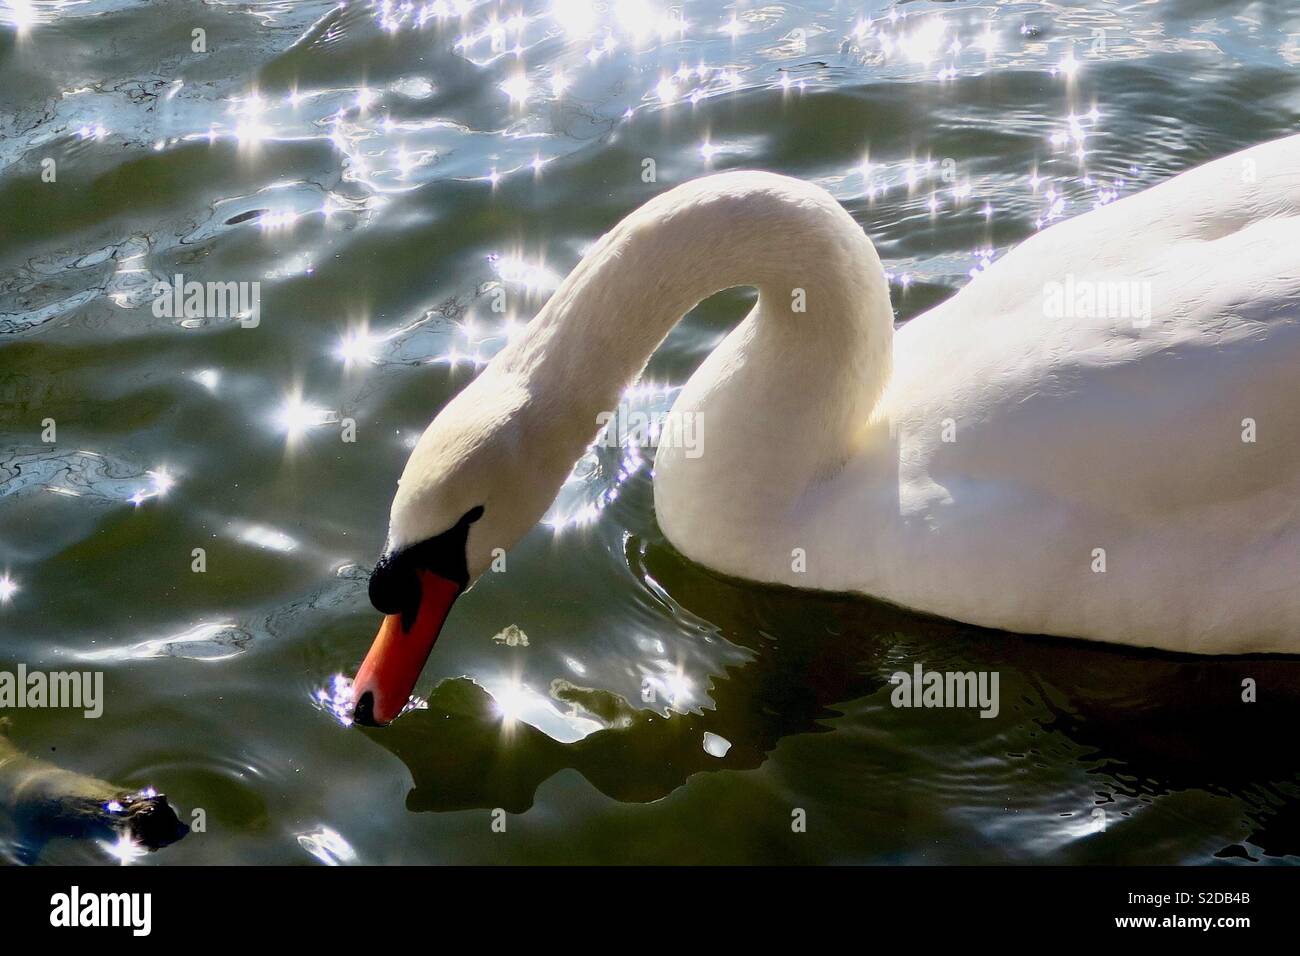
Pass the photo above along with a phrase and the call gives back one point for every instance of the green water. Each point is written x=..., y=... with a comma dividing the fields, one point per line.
x=375, y=169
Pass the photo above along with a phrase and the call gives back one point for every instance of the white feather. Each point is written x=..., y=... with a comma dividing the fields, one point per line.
x=822, y=432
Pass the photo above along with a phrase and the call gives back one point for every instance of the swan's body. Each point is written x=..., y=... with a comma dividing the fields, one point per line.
x=1067, y=435
x=984, y=462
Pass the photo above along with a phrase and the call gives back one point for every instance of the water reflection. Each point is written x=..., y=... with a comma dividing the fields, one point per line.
x=328, y=846
x=215, y=641
x=390, y=173
x=124, y=849
x=814, y=655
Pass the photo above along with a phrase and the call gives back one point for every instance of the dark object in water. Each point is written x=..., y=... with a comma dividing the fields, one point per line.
x=245, y=217
x=44, y=802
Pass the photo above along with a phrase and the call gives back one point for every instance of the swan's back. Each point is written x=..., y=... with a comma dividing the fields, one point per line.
x=1210, y=262
x=1165, y=440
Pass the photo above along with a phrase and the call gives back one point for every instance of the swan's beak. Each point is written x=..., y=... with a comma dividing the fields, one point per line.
x=389, y=672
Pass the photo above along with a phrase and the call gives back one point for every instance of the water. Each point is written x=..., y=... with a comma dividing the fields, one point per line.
x=381, y=170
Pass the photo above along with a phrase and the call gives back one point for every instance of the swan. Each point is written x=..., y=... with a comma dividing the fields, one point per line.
x=1098, y=437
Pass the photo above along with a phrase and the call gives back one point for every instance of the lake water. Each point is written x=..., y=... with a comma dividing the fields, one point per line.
x=380, y=170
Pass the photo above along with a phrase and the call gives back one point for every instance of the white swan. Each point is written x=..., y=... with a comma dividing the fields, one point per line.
x=1013, y=458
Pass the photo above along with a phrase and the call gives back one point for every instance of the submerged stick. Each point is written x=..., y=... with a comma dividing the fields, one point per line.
x=45, y=801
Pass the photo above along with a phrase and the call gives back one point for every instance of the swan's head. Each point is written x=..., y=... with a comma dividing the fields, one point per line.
x=470, y=490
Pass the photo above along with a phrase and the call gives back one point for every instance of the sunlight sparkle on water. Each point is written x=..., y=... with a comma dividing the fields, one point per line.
x=125, y=850
x=296, y=416
x=24, y=15
x=987, y=41
x=642, y=20
x=922, y=44
x=277, y=221
x=8, y=588
x=1069, y=66
x=509, y=700
x=678, y=687
x=577, y=18
x=250, y=127
x=357, y=345
x=328, y=846
x=163, y=482
x=517, y=271
x=264, y=536
x=517, y=89
x=338, y=700
x=670, y=685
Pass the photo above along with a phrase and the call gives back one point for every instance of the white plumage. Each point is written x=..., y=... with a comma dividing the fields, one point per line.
x=986, y=461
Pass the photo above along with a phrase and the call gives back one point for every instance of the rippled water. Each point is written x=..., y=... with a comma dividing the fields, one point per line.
x=382, y=169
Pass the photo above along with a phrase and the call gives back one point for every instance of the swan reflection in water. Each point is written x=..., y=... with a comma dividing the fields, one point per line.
x=1137, y=726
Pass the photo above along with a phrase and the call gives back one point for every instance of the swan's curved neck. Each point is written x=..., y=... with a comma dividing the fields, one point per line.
x=812, y=358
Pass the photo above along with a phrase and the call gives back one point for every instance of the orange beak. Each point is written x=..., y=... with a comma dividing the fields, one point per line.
x=388, y=674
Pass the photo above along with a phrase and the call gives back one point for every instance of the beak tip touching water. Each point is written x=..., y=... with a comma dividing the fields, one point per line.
x=364, y=711
x=389, y=673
